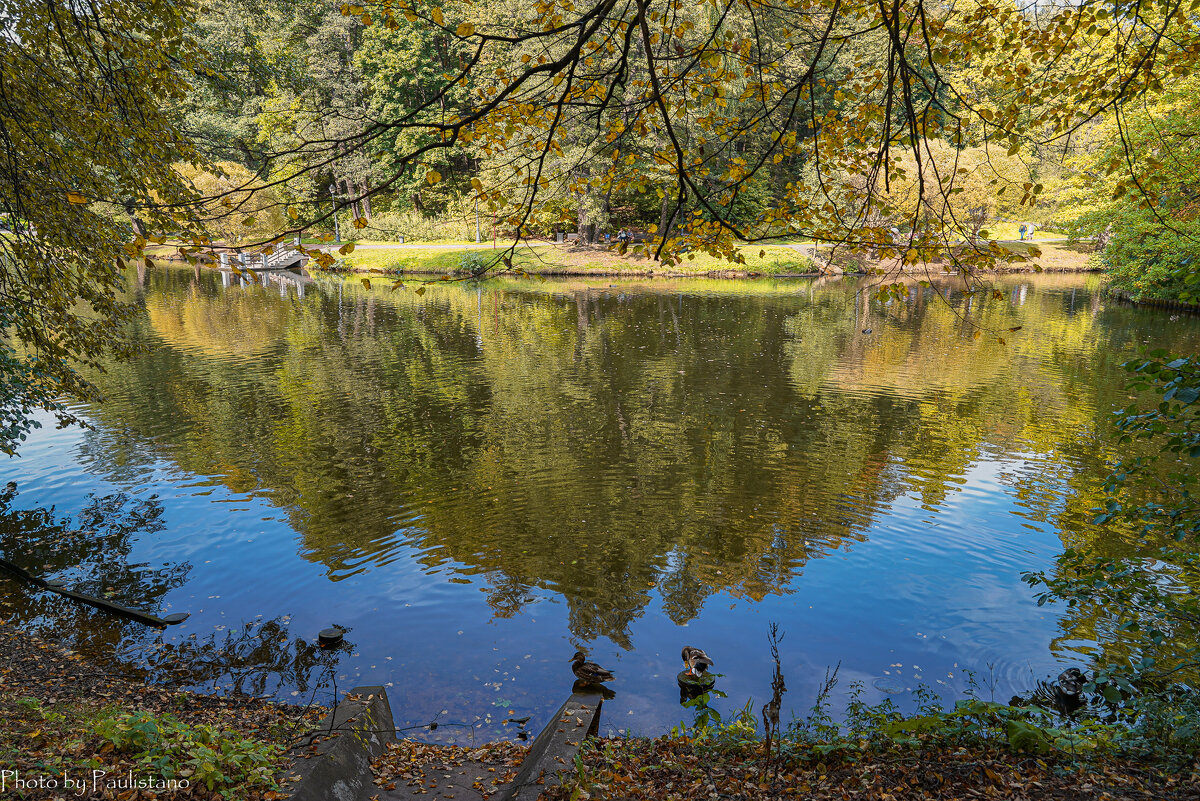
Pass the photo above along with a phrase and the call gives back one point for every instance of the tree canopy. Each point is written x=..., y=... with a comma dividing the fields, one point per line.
x=897, y=129
x=88, y=150
x=737, y=121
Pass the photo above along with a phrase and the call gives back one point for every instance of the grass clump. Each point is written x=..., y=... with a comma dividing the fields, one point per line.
x=226, y=762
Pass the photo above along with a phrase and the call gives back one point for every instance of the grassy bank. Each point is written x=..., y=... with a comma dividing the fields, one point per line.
x=550, y=259
x=66, y=719
x=571, y=260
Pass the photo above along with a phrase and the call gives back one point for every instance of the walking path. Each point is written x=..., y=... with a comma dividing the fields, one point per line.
x=539, y=243
x=1050, y=240
x=428, y=245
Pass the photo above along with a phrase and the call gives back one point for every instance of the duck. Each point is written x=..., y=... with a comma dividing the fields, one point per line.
x=1064, y=695
x=695, y=660
x=588, y=672
x=1070, y=683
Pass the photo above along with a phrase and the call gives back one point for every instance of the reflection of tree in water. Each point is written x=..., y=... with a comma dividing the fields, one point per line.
x=619, y=449
x=507, y=596
x=92, y=554
x=257, y=658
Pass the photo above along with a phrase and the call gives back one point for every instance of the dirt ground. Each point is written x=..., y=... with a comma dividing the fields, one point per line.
x=51, y=699
x=669, y=769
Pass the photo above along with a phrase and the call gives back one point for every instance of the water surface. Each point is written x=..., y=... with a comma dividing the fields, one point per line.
x=479, y=480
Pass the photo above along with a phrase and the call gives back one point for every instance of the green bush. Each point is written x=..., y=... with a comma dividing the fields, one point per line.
x=221, y=761
x=416, y=227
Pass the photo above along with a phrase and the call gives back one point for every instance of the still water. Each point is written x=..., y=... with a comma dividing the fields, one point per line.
x=481, y=479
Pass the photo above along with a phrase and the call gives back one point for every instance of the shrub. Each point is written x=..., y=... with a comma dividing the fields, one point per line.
x=416, y=227
x=222, y=761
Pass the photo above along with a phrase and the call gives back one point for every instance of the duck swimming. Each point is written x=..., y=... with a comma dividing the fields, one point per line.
x=696, y=661
x=588, y=672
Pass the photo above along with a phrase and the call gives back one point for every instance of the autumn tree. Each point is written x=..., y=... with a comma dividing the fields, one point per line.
x=756, y=121
x=87, y=157
x=1142, y=181
x=957, y=190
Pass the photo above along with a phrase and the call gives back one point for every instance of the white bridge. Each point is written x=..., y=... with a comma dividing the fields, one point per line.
x=282, y=258
x=266, y=268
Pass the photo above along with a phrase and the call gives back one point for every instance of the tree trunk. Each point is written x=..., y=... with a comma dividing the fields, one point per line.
x=667, y=217
x=135, y=221
x=349, y=193
x=586, y=226
x=366, y=201
x=584, y=210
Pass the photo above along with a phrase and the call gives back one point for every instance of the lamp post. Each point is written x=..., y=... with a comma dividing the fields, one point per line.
x=477, y=238
x=337, y=236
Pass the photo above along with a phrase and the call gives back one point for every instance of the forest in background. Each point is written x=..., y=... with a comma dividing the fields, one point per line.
x=359, y=79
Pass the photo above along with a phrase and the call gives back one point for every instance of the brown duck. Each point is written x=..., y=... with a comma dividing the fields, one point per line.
x=695, y=660
x=588, y=672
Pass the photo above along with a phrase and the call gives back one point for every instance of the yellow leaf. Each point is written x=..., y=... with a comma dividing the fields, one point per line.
x=248, y=221
x=346, y=248
x=437, y=16
x=465, y=29
x=367, y=283
x=977, y=335
x=432, y=177
x=360, y=222
x=292, y=212
x=76, y=198
x=420, y=290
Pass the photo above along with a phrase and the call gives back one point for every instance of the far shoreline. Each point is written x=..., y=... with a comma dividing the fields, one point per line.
x=552, y=260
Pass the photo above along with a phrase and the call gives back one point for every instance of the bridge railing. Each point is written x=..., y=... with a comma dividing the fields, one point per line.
x=281, y=258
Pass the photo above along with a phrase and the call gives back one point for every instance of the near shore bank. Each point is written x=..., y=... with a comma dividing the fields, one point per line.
x=76, y=729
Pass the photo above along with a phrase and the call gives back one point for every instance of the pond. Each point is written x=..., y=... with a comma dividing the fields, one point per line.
x=479, y=480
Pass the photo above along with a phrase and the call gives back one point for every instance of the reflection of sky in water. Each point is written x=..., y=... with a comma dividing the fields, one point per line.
x=902, y=591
